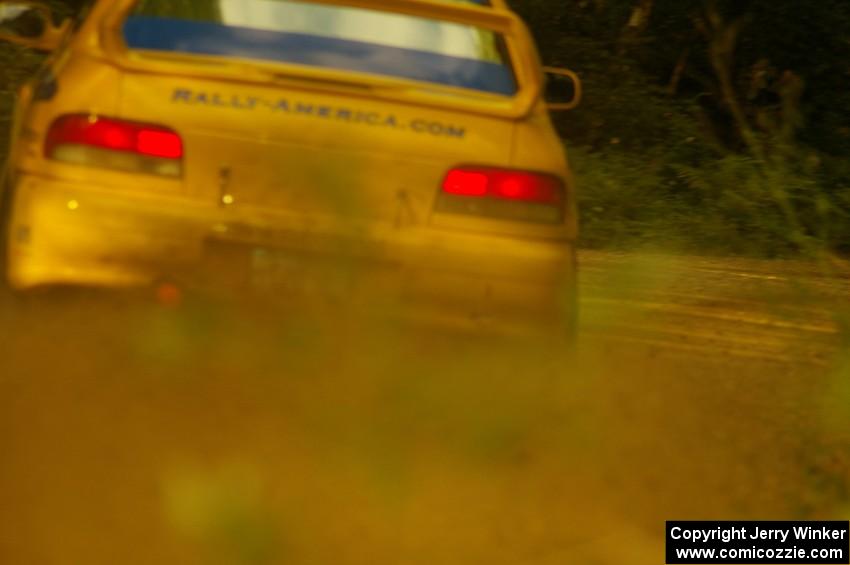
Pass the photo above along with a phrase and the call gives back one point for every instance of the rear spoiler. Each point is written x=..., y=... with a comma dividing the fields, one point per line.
x=520, y=44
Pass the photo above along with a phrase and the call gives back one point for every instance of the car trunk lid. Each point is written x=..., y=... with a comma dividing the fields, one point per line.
x=322, y=152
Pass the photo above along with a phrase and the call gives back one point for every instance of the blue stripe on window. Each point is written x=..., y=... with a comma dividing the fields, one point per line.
x=204, y=38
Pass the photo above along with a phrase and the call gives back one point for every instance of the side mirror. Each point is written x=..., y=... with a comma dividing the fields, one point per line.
x=563, y=89
x=30, y=24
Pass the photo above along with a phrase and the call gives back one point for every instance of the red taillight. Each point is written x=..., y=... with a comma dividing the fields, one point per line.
x=504, y=184
x=159, y=143
x=503, y=194
x=114, y=135
x=466, y=183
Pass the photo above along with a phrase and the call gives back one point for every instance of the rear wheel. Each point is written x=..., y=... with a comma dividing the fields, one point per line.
x=569, y=326
x=563, y=342
x=5, y=223
x=568, y=317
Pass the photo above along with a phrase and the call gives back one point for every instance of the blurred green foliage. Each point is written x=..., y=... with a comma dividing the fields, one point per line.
x=189, y=9
x=16, y=66
x=717, y=125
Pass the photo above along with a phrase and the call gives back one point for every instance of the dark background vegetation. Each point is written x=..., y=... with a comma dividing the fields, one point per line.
x=719, y=126
x=714, y=126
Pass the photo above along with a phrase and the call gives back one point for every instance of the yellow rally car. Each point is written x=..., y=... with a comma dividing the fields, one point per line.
x=275, y=137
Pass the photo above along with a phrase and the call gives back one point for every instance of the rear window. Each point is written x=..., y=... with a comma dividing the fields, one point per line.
x=327, y=36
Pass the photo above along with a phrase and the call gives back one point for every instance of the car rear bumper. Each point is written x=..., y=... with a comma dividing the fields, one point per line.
x=67, y=234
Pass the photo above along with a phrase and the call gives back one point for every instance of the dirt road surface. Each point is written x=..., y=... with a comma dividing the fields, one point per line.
x=701, y=389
